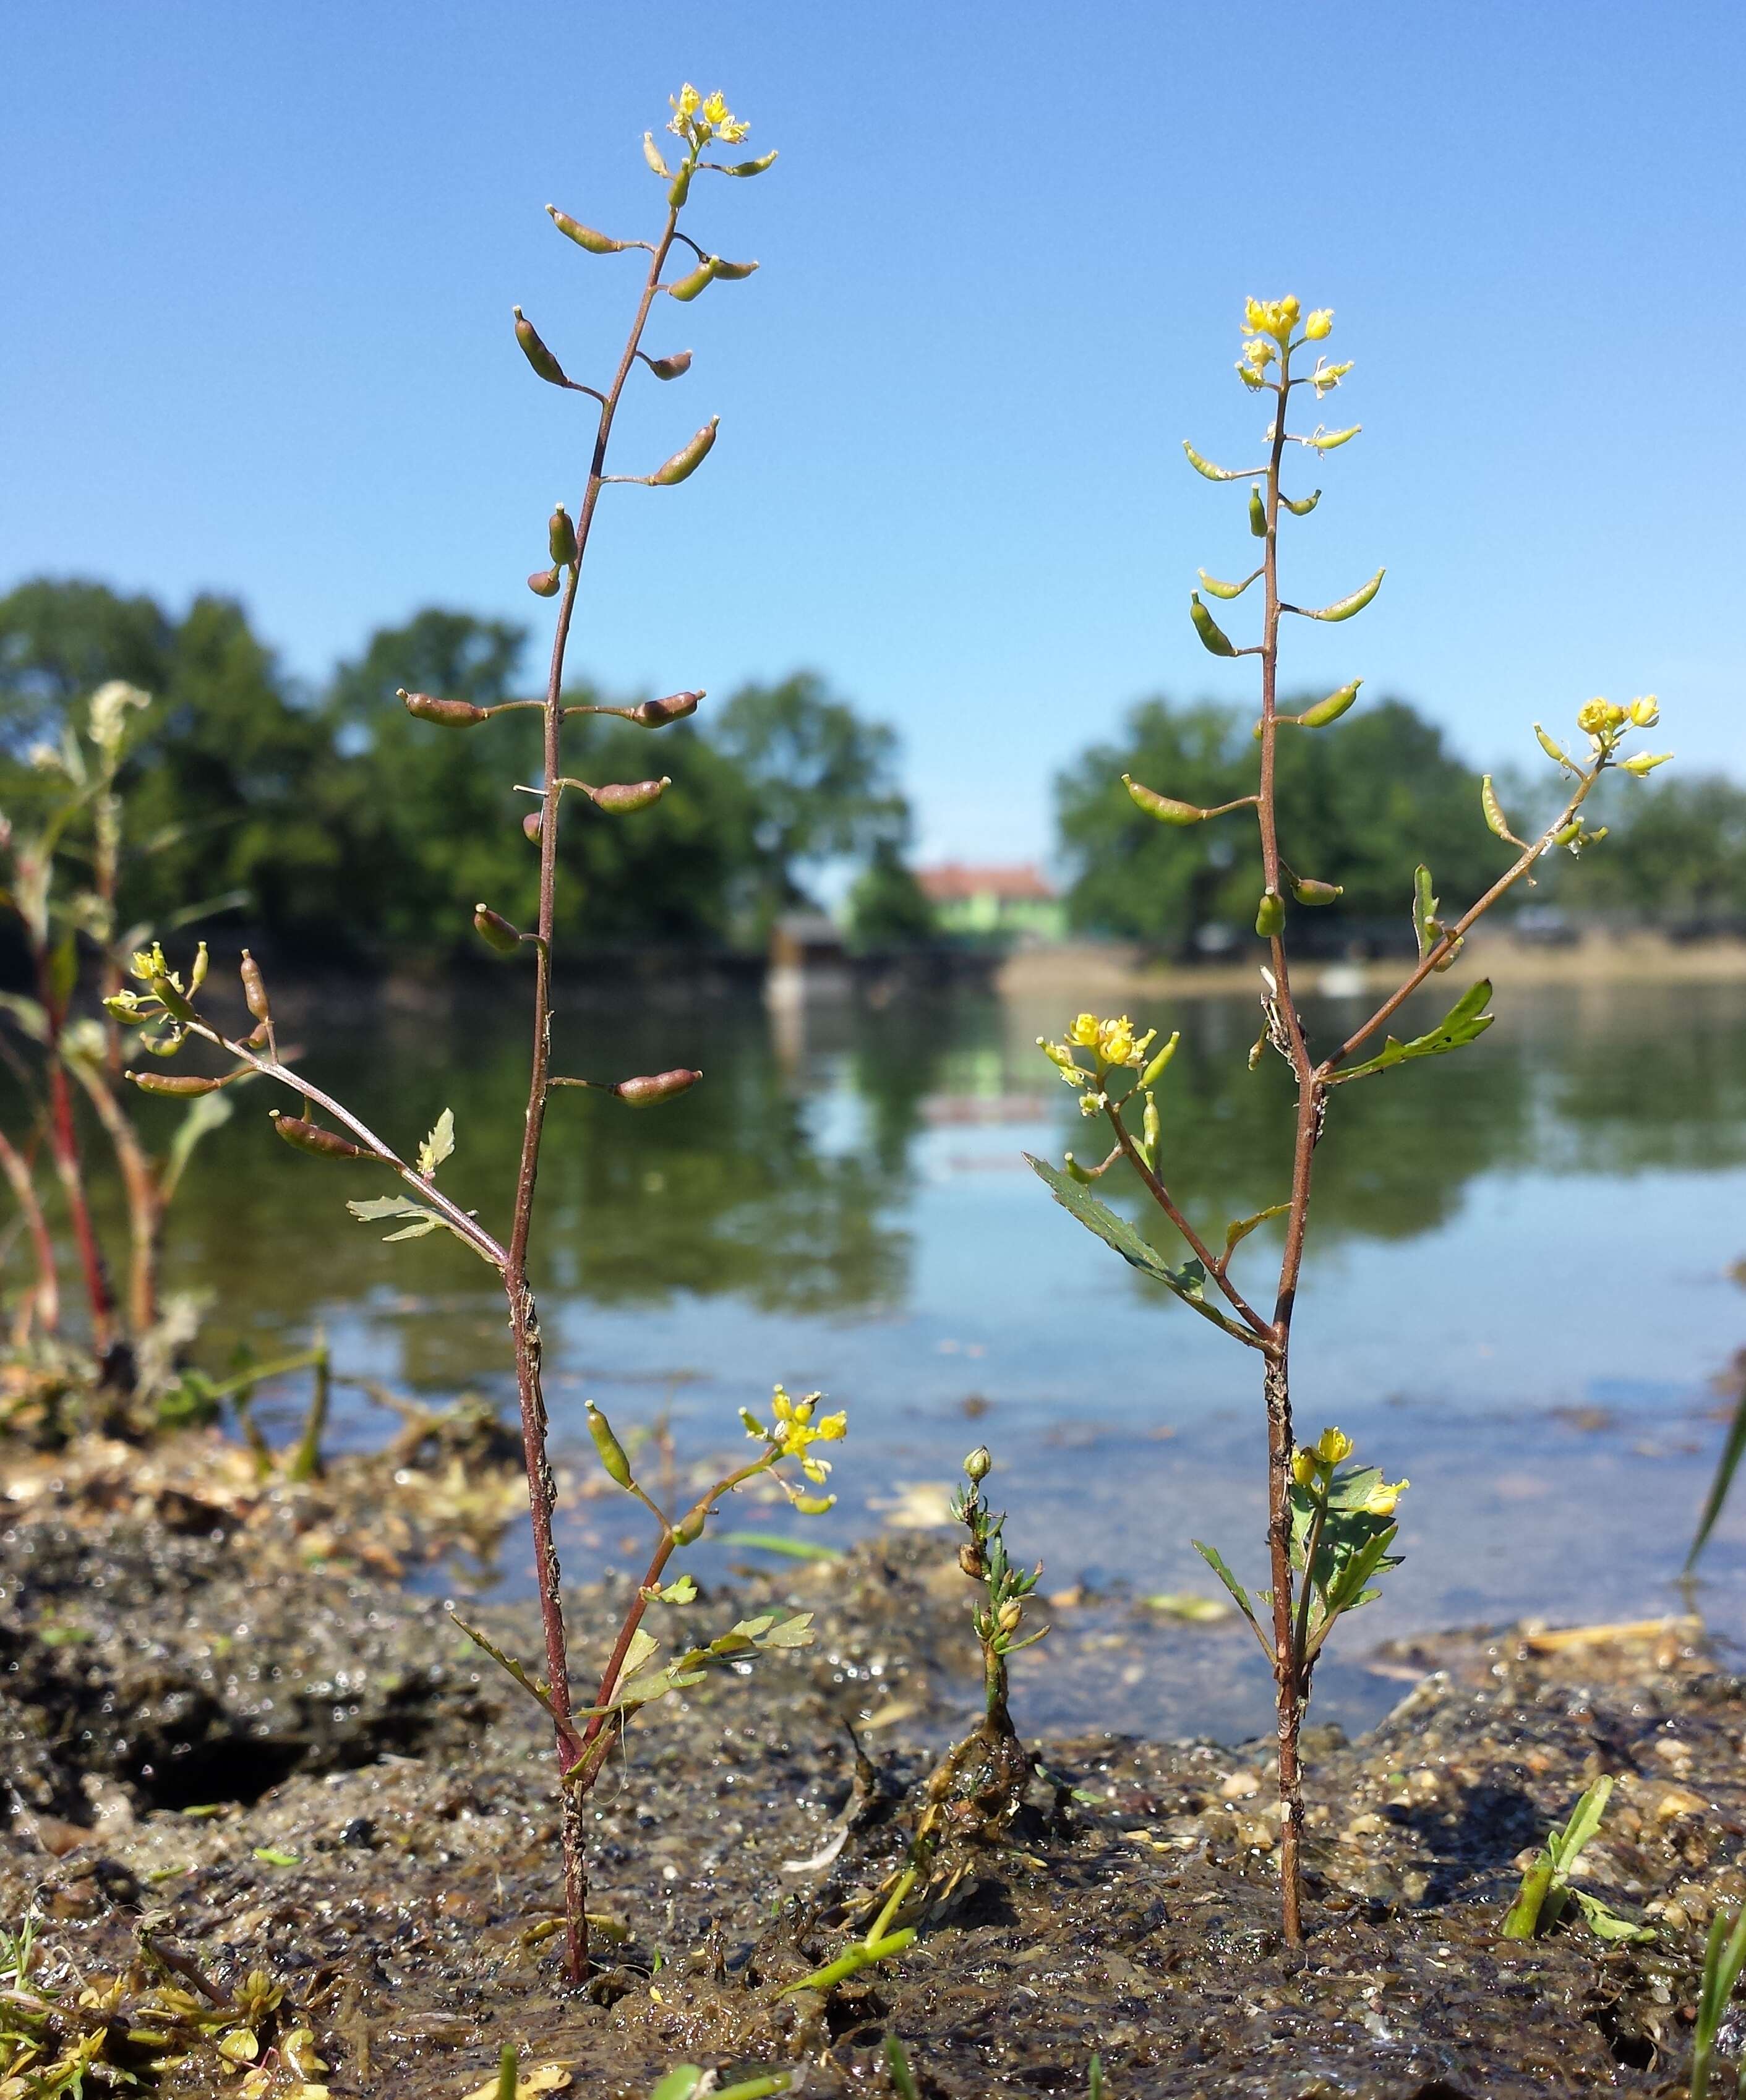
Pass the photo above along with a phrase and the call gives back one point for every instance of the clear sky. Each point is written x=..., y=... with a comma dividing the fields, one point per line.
x=258, y=266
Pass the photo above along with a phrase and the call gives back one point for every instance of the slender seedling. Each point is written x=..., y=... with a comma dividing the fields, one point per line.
x=1546, y=1892
x=1328, y=1527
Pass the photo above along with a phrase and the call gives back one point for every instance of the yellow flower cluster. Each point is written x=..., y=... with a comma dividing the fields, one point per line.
x=1111, y=1041
x=795, y=1431
x=148, y=963
x=1268, y=323
x=701, y=117
x=1274, y=317
x=1315, y=1463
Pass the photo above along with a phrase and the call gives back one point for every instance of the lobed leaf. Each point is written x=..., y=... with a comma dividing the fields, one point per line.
x=1463, y=1022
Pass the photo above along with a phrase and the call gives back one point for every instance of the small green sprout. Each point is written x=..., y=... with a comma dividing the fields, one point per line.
x=1546, y=1892
x=685, y=2079
x=1724, y=1954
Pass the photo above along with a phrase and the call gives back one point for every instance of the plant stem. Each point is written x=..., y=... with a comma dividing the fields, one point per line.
x=306, y=1461
x=145, y=1205
x=46, y=1296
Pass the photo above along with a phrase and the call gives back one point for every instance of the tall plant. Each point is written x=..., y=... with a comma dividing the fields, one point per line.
x=1330, y=1520
x=166, y=1011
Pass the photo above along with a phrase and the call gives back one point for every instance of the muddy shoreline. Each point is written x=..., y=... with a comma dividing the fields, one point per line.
x=235, y=1742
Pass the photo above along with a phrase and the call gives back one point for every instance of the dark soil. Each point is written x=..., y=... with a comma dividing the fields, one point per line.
x=376, y=1831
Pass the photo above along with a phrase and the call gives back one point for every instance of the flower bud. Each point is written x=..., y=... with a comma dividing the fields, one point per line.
x=1257, y=514
x=669, y=368
x=1213, y=637
x=1331, y=710
x=656, y=1087
x=621, y=799
x=1270, y=915
x=1010, y=1616
x=687, y=458
x=452, y=714
x=1333, y=1446
x=1307, y=890
x=560, y=537
x=611, y=1451
x=530, y=825
x=1645, y=714
x=584, y=236
x=979, y=1464
x=1162, y=806
x=536, y=352
x=1303, y=1466
x=544, y=583
x=657, y=714
x=255, y=988
x=311, y=1137
x=182, y=1084
x=1320, y=324
x=495, y=930
x=748, y=167
x=687, y=287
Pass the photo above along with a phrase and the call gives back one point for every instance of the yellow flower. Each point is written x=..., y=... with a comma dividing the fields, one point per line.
x=1645, y=713
x=1303, y=1466
x=1599, y=717
x=1382, y=1498
x=1274, y=317
x=1320, y=325
x=686, y=102
x=148, y=963
x=1333, y=1445
x=1259, y=352
x=1083, y=1031
x=796, y=1432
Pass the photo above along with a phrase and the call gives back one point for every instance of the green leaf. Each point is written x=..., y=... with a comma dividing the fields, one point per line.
x=1211, y=1556
x=204, y=1115
x=424, y=1219
x=773, y=1541
x=1727, y=1468
x=28, y=1013
x=534, y=1688
x=1188, y=1282
x=1566, y=1846
x=643, y=1645
x=683, y=1591
x=439, y=1145
x=272, y=1856
x=679, y=2083
x=1606, y=1923
x=1462, y=1024
x=1236, y=1233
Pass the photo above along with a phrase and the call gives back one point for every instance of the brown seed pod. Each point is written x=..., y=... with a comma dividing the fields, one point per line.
x=635, y=795
x=452, y=714
x=656, y=1087
x=311, y=1137
x=657, y=714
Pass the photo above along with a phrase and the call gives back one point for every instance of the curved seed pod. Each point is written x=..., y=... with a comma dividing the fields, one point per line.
x=668, y=367
x=1328, y=710
x=1645, y=761
x=311, y=1137
x=611, y=1451
x=1155, y=1071
x=1162, y=806
x=173, y=1003
x=1213, y=637
x=657, y=714
x=746, y=167
x=180, y=1084
x=584, y=236
x=452, y=714
x=689, y=1529
x=656, y=1087
x=1495, y=822
x=495, y=930
x=1215, y=588
x=731, y=272
x=1553, y=750
x=1343, y=608
x=1205, y=466
x=620, y=800
x=544, y=583
x=1302, y=508
x=1270, y=915
x=651, y=154
x=1257, y=514
x=686, y=461
x=530, y=824
x=1324, y=441
x=560, y=537
x=681, y=188
x=1569, y=833
x=687, y=287
x=255, y=988
x=1307, y=890
x=536, y=352
x=1084, y=1176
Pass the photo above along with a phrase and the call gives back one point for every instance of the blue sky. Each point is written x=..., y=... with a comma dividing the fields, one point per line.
x=259, y=265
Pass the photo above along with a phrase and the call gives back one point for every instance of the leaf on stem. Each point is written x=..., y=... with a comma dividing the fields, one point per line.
x=1240, y=1229
x=1464, y=1021
x=1210, y=1555
x=439, y=1145
x=373, y=1208
x=535, y=1688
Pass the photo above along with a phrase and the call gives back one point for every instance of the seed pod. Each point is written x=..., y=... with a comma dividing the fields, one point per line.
x=1555, y=751
x=173, y=1002
x=1150, y=1128
x=1162, y=806
x=681, y=189
x=181, y=1084
x=311, y=1137
x=980, y=1463
x=1328, y=710
x=536, y=352
x=1270, y=915
x=560, y=537
x=544, y=583
x=1343, y=608
x=669, y=368
x=970, y=1561
x=689, y=1529
x=531, y=823
x=1645, y=761
x=1495, y=822
x=196, y=976
x=452, y=714
x=1324, y=441
x=1215, y=588
x=656, y=1087
x=619, y=801
x=1307, y=890
x=611, y=1451
x=1257, y=514
x=255, y=988
x=1304, y=506
x=687, y=287
x=731, y=272
x=687, y=458
x=657, y=714
x=584, y=236
x=1569, y=834
x=1206, y=466
x=1155, y=1071
x=748, y=167
x=1213, y=636
x=813, y=1505
x=495, y=930
x=651, y=154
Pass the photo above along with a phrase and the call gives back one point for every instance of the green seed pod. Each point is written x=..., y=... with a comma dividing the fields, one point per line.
x=611, y=1451
x=1495, y=822
x=560, y=537
x=681, y=189
x=1213, y=636
x=657, y=714
x=531, y=823
x=1328, y=710
x=1303, y=507
x=1257, y=514
x=1154, y=1070
x=255, y=988
x=1162, y=807
x=495, y=931
x=635, y=795
x=657, y=1087
x=536, y=352
x=173, y=1002
x=1215, y=588
x=196, y=976
x=182, y=1084
x=1569, y=834
x=687, y=287
x=668, y=367
x=979, y=1464
x=1307, y=890
x=1270, y=915
x=813, y=1505
x=452, y=714
x=311, y=1137
x=1150, y=1128
x=687, y=458
x=1343, y=608
x=731, y=272
x=689, y=1529
x=651, y=154
x=544, y=583
x=1206, y=466
x=1554, y=750
x=748, y=167
x=1325, y=441
x=584, y=236
x=1075, y=1172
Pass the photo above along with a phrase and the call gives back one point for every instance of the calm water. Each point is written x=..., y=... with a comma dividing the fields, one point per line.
x=1517, y=1291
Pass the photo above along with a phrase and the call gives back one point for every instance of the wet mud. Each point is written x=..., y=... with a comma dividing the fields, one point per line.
x=227, y=1756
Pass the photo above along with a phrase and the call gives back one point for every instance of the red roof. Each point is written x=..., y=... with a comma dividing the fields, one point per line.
x=954, y=882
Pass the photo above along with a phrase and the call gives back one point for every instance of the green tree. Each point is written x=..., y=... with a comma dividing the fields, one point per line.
x=1679, y=848
x=887, y=906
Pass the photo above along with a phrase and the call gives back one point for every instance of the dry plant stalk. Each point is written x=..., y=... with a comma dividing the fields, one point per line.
x=1330, y=1522
x=583, y=1736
